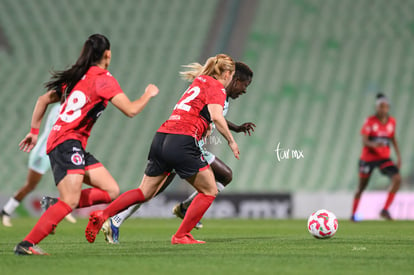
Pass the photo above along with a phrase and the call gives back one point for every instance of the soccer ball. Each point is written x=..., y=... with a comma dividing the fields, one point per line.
x=322, y=224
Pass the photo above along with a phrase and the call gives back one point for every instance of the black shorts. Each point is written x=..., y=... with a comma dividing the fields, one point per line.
x=70, y=158
x=386, y=166
x=178, y=152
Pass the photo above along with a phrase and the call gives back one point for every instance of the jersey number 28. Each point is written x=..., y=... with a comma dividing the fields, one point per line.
x=74, y=104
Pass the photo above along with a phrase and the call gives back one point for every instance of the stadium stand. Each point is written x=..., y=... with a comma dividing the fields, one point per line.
x=318, y=65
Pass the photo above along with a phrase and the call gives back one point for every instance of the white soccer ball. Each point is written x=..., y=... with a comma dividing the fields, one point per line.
x=322, y=224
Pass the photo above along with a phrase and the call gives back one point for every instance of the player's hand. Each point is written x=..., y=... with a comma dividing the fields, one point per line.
x=27, y=144
x=246, y=128
x=235, y=148
x=151, y=90
x=399, y=163
x=380, y=144
x=207, y=132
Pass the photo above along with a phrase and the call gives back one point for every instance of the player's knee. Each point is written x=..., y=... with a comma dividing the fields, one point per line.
x=396, y=178
x=114, y=191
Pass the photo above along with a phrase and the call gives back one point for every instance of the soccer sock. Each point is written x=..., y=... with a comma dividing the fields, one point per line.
x=11, y=206
x=124, y=201
x=187, y=202
x=220, y=186
x=118, y=219
x=194, y=213
x=93, y=196
x=48, y=221
x=389, y=200
x=355, y=205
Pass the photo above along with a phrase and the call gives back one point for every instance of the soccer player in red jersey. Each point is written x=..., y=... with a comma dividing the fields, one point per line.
x=223, y=174
x=175, y=146
x=378, y=132
x=84, y=91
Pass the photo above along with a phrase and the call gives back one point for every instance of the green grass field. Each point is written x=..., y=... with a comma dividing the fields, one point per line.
x=233, y=247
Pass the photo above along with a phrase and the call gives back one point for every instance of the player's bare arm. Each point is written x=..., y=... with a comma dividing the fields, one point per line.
x=132, y=108
x=216, y=113
x=369, y=143
x=39, y=111
x=246, y=127
x=397, y=151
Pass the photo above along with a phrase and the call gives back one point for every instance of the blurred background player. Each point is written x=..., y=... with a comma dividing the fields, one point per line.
x=87, y=87
x=222, y=173
x=378, y=132
x=174, y=146
x=38, y=165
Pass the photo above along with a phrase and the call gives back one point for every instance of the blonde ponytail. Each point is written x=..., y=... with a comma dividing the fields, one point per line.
x=213, y=67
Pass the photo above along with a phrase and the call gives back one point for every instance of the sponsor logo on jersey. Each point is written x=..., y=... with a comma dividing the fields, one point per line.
x=202, y=79
x=76, y=149
x=76, y=158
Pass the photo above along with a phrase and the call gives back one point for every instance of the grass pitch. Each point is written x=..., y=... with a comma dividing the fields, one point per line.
x=233, y=247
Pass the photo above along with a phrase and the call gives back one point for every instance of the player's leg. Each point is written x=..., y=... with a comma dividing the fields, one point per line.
x=223, y=176
x=148, y=188
x=32, y=179
x=388, y=168
x=365, y=170
x=69, y=190
x=204, y=183
x=111, y=226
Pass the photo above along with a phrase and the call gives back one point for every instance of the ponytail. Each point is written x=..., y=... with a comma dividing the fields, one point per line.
x=213, y=67
x=92, y=52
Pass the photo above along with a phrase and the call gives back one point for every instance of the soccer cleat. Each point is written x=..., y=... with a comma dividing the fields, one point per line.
x=353, y=219
x=199, y=225
x=95, y=223
x=186, y=239
x=5, y=219
x=25, y=248
x=70, y=218
x=111, y=232
x=386, y=215
x=47, y=202
x=179, y=210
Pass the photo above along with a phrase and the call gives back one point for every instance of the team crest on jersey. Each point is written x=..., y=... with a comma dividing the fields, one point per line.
x=76, y=158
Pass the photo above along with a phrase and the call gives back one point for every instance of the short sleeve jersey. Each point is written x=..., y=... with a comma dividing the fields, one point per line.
x=378, y=132
x=190, y=115
x=83, y=106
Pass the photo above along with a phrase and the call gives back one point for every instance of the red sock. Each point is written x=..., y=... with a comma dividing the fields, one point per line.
x=194, y=213
x=355, y=205
x=389, y=200
x=124, y=201
x=93, y=196
x=48, y=221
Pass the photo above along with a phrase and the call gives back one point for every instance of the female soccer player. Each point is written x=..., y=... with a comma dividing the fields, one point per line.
x=175, y=147
x=88, y=87
x=222, y=173
x=377, y=133
x=38, y=166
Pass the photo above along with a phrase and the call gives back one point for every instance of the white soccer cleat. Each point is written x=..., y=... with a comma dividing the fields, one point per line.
x=70, y=218
x=5, y=220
